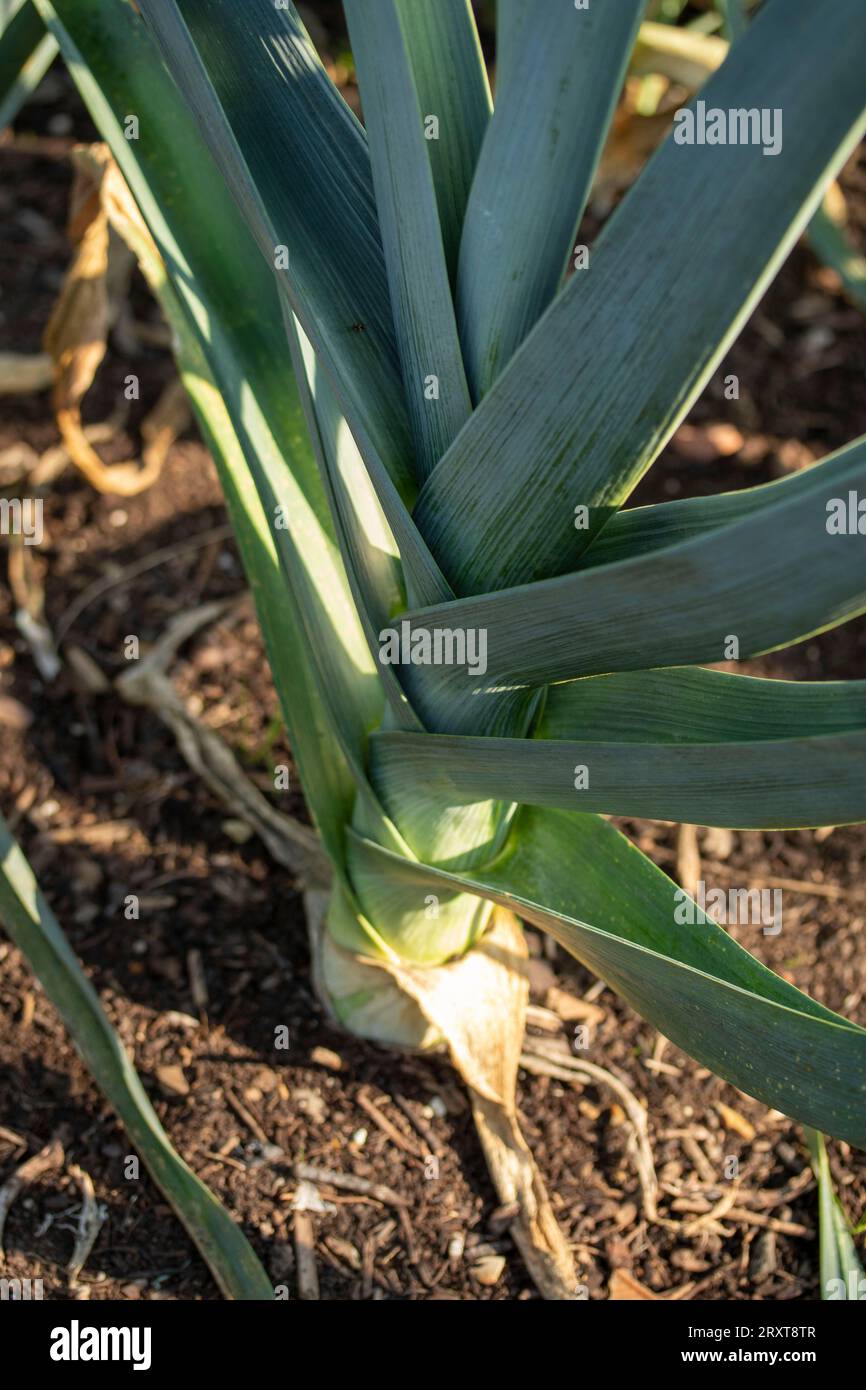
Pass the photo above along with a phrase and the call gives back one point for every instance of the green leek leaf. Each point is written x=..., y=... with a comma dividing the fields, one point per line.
x=597, y=389
x=577, y=878
x=426, y=328
x=296, y=160
x=26, y=54
x=736, y=591
x=842, y=1275
x=33, y=928
x=451, y=82
x=534, y=173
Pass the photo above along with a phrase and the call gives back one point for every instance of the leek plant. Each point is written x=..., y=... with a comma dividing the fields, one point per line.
x=841, y=1272
x=427, y=432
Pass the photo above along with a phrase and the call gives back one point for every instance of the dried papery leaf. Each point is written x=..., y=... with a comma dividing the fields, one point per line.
x=361, y=995
x=77, y=334
x=45, y=1161
x=688, y=858
x=25, y=581
x=145, y=683
x=475, y=1005
x=90, y=1221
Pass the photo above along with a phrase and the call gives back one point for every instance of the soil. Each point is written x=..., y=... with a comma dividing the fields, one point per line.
x=105, y=806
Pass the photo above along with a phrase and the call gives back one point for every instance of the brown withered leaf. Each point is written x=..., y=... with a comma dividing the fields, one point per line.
x=77, y=332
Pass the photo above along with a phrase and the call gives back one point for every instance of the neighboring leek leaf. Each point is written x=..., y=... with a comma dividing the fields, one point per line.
x=296, y=160
x=33, y=928
x=26, y=54
x=833, y=244
x=685, y=56
x=666, y=734
x=426, y=329
x=597, y=389
x=534, y=174
x=367, y=545
x=678, y=606
x=735, y=18
x=329, y=690
x=842, y=1275
x=640, y=530
x=451, y=81
x=693, y=705
x=771, y=785
x=510, y=15
x=562, y=872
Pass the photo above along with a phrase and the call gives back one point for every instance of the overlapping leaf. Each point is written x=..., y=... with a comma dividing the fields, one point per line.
x=680, y=605
x=451, y=83
x=600, y=384
x=535, y=171
x=689, y=745
x=292, y=153
x=577, y=878
x=426, y=329
x=26, y=53
x=842, y=1274
x=32, y=926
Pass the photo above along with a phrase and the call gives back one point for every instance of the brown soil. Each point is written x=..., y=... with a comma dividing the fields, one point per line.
x=105, y=806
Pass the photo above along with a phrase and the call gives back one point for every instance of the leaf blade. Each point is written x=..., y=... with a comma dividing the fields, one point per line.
x=565, y=873
x=291, y=150
x=766, y=785
x=534, y=174
x=451, y=81
x=487, y=527
x=34, y=929
x=426, y=328
x=675, y=606
x=26, y=54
